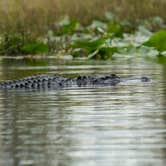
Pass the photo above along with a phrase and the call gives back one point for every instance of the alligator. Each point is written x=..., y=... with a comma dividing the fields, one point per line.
x=58, y=81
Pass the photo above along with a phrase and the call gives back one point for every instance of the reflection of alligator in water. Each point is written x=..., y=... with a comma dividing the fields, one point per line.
x=57, y=81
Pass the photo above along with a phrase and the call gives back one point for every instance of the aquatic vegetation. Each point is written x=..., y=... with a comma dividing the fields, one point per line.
x=66, y=26
x=17, y=43
x=102, y=39
x=158, y=41
x=34, y=48
x=89, y=45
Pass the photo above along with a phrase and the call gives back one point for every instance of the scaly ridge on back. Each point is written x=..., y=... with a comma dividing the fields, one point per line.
x=58, y=81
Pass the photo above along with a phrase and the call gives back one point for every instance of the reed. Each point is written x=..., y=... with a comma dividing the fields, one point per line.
x=38, y=16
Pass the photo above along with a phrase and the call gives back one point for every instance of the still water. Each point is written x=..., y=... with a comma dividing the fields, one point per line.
x=103, y=126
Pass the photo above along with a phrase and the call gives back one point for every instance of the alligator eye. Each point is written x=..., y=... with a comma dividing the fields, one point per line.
x=145, y=79
x=113, y=75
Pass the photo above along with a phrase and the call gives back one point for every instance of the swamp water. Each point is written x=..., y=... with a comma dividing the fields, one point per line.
x=103, y=126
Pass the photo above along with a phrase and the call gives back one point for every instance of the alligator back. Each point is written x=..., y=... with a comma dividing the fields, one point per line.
x=41, y=81
x=58, y=81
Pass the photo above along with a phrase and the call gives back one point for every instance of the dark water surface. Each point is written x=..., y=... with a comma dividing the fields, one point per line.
x=120, y=125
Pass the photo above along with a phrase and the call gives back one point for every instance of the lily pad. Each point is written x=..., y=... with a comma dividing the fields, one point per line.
x=88, y=45
x=103, y=53
x=115, y=29
x=158, y=41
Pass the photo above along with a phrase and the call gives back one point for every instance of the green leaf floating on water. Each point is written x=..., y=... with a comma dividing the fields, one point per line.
x=115, y=29
x=103, y=53
x=95, y=49
x=158, y=41
x=33, y=48
x=88, y=45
